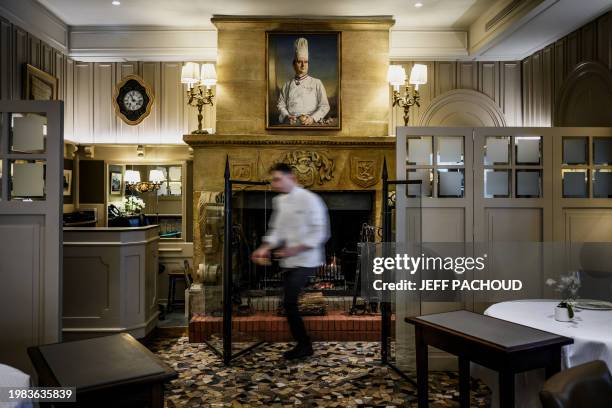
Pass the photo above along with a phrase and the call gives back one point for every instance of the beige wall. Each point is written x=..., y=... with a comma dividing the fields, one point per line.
x=241, y=71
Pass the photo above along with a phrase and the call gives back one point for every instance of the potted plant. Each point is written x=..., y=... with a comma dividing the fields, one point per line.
x=568, y=287
x=132, y=205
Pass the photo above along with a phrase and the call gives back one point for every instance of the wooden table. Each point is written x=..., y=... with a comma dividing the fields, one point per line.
x=505, y=347
x=111, y=371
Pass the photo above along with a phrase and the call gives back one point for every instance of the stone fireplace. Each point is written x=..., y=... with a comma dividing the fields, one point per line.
x=349, y=160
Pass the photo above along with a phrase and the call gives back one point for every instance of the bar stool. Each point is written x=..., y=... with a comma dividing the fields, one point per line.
x=173, y=277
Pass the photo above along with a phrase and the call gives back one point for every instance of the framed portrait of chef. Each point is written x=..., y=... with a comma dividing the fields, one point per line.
x=303, y=77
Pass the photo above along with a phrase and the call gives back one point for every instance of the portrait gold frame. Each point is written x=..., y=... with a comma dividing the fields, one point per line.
x=33, y=73
x=339, y=79
x=149, y=92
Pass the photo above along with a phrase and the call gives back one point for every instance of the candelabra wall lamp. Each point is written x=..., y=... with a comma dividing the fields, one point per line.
x=132, y=181
x=397, y=78
x=199, y=88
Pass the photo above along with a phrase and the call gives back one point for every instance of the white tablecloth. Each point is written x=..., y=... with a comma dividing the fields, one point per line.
x=12, y=377
x=591, y=331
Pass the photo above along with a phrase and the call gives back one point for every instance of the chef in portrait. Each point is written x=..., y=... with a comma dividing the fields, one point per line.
x=302, y=100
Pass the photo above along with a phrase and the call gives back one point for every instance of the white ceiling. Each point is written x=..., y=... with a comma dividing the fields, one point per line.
x=541, y=28
x=180, y=30
x=438, y=14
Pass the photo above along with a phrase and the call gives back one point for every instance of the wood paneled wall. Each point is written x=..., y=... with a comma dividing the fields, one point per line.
x=87, y=89
x=545, y=72
x=17, y=48
x=500, y=81
x=525, y=91
x=96, y=122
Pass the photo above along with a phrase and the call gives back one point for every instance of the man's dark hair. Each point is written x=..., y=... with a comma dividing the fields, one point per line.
x=282, y=167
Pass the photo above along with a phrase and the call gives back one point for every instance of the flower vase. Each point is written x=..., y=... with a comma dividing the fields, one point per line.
x=562, y=314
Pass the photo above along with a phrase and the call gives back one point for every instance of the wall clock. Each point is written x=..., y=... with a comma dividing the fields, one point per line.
x=133, y=99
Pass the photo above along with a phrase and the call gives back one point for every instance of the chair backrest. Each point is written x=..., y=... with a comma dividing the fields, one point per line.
x=586, y=385
x=596, y=271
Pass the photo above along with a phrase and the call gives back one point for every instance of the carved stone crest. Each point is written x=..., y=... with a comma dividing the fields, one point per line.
x=364, y=172
x=241, y=171
x=310, y=167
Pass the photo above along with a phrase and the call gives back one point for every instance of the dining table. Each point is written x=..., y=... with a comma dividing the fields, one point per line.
x=591, y=331
x=13, y=378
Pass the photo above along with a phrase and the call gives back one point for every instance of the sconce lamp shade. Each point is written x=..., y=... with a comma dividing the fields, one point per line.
x=156, y=176
x=190, y=73
x=132, y=176
x=418, y=75
x=396, y=75
x=208, y=76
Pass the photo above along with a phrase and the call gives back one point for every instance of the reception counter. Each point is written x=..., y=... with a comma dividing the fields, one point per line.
x=110, y=281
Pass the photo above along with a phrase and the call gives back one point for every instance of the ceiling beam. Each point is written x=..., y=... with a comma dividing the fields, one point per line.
x=138, y=43
x=440, y=45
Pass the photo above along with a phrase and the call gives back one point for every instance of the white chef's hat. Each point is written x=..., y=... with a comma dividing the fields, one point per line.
x=301, y=48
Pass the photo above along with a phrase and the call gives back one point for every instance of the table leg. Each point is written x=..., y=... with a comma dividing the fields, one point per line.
x=506, y=389
x=464, y=382
x=422, y=369
x=555, y=363
x=157, y=396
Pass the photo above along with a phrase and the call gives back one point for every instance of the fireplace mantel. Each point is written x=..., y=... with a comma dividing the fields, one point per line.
x=292, y=139
x=322, y=163
x=334, y=163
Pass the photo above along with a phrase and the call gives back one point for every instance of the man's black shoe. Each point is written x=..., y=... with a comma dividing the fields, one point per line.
x=299, y=351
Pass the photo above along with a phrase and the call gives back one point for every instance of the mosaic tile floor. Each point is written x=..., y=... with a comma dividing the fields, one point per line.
x=345, y=374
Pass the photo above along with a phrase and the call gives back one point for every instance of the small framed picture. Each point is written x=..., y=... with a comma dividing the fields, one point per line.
x=116, y=182
x=39, y=85
x=67, y=182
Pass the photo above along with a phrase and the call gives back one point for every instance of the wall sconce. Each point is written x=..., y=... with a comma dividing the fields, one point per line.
x=199, y=92
x=132, y=181
x=397, y=77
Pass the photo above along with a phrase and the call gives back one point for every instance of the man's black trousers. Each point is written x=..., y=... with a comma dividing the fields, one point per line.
x=296, y=280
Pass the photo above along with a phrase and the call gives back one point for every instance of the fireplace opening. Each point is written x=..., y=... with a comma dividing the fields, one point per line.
x=327, y=303
x=258, y=288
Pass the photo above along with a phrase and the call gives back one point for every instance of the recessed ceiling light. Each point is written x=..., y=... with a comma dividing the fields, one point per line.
x=419, y=4
x=116, y=3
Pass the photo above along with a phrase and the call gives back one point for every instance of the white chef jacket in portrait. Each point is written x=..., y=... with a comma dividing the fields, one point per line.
x=299, y=217
x=303, y=96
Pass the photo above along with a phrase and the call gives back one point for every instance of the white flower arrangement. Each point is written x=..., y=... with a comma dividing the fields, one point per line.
x=132, y=205
x=568, y=287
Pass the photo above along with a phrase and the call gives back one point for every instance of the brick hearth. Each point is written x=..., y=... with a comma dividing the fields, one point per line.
x=335, y=326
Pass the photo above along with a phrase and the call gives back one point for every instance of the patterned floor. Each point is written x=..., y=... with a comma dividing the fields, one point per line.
x=345, y=374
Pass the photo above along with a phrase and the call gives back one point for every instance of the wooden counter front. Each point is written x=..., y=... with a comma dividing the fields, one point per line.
x=110, y=281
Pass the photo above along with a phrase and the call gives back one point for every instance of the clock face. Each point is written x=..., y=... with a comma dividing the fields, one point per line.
x=133, y=100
